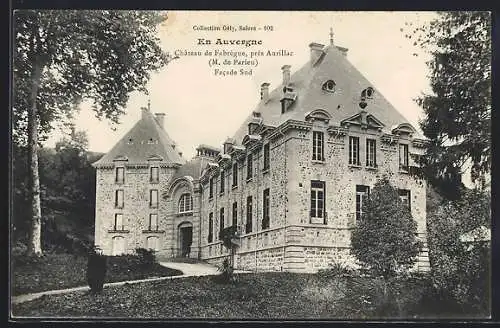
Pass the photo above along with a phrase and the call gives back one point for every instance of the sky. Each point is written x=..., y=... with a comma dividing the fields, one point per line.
x=202, y=108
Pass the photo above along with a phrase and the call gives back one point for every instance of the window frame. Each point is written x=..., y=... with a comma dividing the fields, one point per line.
x=235, y=214
x=119, y=204
x=405, y=194
x=266, y=201
x=235, y=175
x=266, y=157
x=210, y=227
x=354, y=151
x=404, y=166
x=116, y=226
x=249, y=215
x=222, y=182
x=249, y=167
x=151, y=203
x=150, y=225
x=317, y=187
x=362, y=194
x=371, y=151
x=117, y=170
x=318, y=148
x=187, y=207
x=152, y=177
x=222, y=222
x=211, y=188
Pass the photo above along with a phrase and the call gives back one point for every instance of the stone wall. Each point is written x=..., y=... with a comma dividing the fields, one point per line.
x=136, y=208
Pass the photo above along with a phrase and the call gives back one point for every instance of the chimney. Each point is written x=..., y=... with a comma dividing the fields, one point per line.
x=160, y=118
x=316, y=51
x=264, y=92
x=343, y=50
x=144, y=112
x=286, y=74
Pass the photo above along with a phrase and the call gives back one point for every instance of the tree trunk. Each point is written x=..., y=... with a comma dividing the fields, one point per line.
x=35, y=242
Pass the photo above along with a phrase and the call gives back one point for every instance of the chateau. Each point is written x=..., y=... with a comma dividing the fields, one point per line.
x=292, y=179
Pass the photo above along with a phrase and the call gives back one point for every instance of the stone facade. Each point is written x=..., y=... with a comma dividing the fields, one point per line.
x=289, y=179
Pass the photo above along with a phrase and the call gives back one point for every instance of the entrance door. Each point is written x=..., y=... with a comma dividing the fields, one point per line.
x=186, y=239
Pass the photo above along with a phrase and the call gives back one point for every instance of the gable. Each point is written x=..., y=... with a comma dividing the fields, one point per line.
x=364, y=120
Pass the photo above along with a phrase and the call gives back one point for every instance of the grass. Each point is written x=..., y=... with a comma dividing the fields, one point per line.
x=253, y=296
x=60, y=270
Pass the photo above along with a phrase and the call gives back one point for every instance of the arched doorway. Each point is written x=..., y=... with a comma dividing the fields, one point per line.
x=185, y=239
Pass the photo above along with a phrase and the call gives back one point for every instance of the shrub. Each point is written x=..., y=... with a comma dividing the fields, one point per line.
x=335, y=270
x=146, y=257
x=384, y=239
x=226, y=272
x=96, y=271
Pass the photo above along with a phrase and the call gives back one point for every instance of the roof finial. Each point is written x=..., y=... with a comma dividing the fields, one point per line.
x=331, y=36
x=149, y=104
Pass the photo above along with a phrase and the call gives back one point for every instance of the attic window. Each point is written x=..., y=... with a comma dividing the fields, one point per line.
x=130, y=141
x=367, y=93
x=329, y=86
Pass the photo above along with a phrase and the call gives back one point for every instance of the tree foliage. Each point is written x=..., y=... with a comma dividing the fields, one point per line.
x=98, y=55
x=64, y=57
x=459, y=251
x=458, y=111
x=384, y=239
x=67, y=183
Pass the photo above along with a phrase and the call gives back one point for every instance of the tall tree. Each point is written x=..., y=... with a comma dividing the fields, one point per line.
x=64, y=57
x=458, y=111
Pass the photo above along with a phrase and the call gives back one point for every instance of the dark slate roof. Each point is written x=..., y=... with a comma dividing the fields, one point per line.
x=343, y=103
x=192, y=168
x=140, y=148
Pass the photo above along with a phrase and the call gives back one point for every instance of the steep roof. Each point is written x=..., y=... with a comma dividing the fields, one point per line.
x=145, y=140
x=307, y=82
x=192, y=168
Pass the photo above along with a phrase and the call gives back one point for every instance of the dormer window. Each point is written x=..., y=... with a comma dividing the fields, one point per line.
x=130, y=141
x=329, y=86
x=367, y=93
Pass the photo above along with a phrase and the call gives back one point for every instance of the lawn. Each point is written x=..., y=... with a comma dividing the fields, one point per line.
x=253, y=296
x=60, y=270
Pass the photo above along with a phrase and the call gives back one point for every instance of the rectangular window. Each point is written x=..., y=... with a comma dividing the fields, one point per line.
x=361, y=193
x=404, y=195
x=154, y=174
x=265, y=209
x=318, y=202
x=221, y=221
x=153, y=222
x=211, y=227
x=248, y=226
x=235, y=174
x=153, y=198
x=235, y=214
x=371, y=153
x=120, y=175
x=119, y=198
x=318, y=146
x=211, y=188
x=222, y=181
x=118, y=222
x=403, y=157
x=249, y=166
x=266, y=157
x=354, y=151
